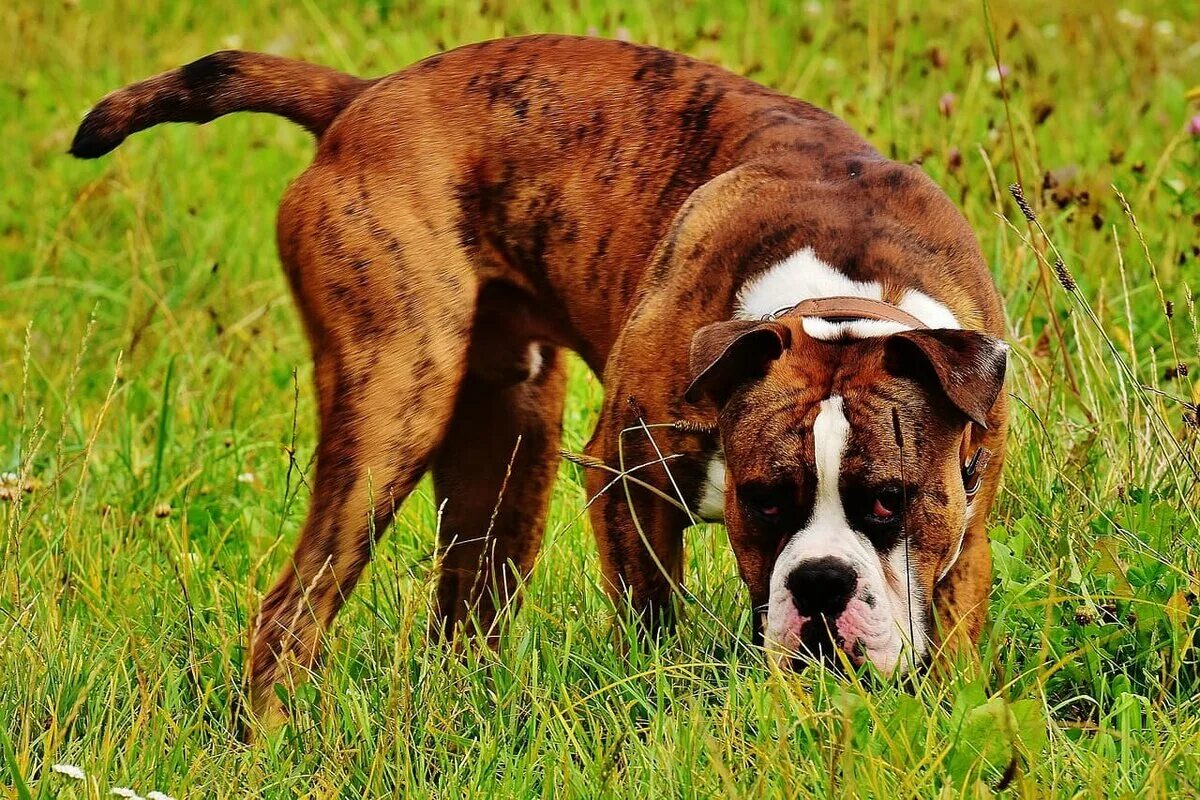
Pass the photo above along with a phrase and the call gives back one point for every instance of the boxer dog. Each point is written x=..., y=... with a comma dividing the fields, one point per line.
x=796, y=335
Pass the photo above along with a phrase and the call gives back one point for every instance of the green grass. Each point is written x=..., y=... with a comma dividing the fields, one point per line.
x=149, y=357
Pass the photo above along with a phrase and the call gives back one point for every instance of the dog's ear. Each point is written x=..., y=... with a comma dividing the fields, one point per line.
x=725, y=355
x=968, y=366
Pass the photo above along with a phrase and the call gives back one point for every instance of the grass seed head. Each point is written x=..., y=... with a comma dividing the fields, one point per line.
x=1064, y=275
x=1019, y=195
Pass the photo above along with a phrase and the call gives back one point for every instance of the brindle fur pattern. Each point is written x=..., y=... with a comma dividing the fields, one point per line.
x=554, y=193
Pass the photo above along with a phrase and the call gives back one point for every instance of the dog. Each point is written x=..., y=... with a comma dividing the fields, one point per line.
x=796, y=335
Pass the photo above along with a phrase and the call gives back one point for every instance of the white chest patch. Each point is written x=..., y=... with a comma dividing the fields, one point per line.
x=712, y=497
x=803, y=276
x=535, y=360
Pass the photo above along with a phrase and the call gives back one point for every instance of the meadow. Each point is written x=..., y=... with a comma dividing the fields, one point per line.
x=157, y=428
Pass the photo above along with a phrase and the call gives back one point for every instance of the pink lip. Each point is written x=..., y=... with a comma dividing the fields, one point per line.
x=857, y=626
x=855, y=630
x=860, y=631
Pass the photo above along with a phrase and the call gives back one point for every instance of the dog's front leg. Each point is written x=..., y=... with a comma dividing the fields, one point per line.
x=638, y=512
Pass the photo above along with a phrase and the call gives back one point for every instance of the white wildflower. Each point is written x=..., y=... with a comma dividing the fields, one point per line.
x=1165, y=28
x=157, y=795
x=70, y=770
x=994, y=74
x=1130, y=20
x=246, y=477
x=813, y=8
x=232, y=42
x=128, y=794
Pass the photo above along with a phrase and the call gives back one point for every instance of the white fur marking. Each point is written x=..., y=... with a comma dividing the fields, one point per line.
x=831, y=433
x=800, y=276
x=928, y=310
x=881, y=626
x=908, y=598
x=803, y=276
x=712, y=500
x=535, y=360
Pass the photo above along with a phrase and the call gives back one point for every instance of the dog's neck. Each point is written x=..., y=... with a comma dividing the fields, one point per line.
x=803, y=282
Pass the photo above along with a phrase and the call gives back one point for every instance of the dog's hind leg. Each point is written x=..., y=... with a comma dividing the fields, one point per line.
x=494, y=472
x=390, y=337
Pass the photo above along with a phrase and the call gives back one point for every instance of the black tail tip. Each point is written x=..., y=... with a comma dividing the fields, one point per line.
x=95, y=136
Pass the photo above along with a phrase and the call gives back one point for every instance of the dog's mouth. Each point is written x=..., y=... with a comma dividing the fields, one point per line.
x=841, y=643
x=820, y=643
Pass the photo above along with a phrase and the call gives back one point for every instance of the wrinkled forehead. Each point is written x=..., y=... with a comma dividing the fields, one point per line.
x=882, y=420
x=772, y=433
x=894, y=433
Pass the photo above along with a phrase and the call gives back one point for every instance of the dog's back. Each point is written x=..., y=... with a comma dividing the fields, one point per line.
x=561, y=155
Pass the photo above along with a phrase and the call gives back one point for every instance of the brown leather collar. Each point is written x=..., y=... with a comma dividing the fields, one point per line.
x=842, y=309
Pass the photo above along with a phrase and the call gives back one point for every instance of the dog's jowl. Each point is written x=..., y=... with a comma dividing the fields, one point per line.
x=818, y=319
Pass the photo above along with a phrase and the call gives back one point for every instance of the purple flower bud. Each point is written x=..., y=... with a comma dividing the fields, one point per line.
x=946, y=103
x=1194, y=126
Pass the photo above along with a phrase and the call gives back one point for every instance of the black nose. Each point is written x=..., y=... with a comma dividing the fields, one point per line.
x=822, y=586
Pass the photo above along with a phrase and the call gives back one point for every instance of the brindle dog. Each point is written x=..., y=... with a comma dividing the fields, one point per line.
x=468, y=219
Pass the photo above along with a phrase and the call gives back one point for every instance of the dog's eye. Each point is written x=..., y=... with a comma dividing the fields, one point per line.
x=887, y=505
x=881, y=511
x=770, y=504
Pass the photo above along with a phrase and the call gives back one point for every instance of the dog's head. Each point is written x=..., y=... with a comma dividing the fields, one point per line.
x=848, y=476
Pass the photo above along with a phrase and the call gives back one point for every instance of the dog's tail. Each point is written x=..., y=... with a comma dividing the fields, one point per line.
x=219, y=84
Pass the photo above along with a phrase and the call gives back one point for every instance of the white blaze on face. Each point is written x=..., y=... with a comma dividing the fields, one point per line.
x=882, y=611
